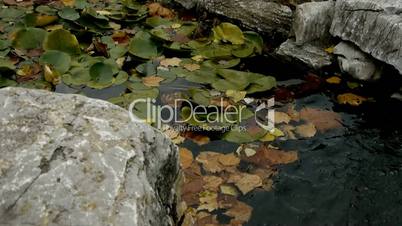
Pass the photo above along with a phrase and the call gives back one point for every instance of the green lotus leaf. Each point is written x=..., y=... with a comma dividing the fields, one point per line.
x=262, y=84
x=142, y=46
x=59, y=60
x=228, y=32
x=62, y=40
x=29, y=38
x=68, y=13
x=222, y=64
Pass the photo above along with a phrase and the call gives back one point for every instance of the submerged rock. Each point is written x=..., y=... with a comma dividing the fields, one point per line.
x=314, y=56
x=375, y=26
x=356, y=63
x=264, y=16
x=72, y=160
x=313, y=21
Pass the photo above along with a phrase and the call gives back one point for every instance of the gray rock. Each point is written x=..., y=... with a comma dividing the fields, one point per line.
x=375, y=26
x=356, y=63
x=314, y=56
x=312, y=21
x=264, y=16
x=71, y=160
x=188, y=4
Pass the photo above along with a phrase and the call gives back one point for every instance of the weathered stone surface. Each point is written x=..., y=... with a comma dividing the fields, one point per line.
x=356, y=63
x=375, y=26
x=188, y=4
x=312, y=55
x=313, y=21
x=264, y=16
x=72, y=160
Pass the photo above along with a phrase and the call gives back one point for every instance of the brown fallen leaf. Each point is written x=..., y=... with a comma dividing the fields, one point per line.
x=306, y=131
x=152, y=81
x=248, y=182
x=267, y=156
x=208, y=201
x=322, y=119
x=197, y=138
x=229, y=190
x=156, y=9
x=212, y=183
x=334, y=80
x=186, y=158
x=19, y=3
x=210, y=162
x=229, y=159
x=240, y=212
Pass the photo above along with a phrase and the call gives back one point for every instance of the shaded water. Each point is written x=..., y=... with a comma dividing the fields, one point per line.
x=347, y=176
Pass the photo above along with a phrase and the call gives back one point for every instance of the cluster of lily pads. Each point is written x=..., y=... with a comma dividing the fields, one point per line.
x=124, y=43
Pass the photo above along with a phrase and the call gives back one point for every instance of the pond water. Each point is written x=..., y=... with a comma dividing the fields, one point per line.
x=347, y=176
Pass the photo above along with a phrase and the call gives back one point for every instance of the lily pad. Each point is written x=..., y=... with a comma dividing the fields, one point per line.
x=262, y=84
x=62, y=40
x=68, y=13
x=228, y=32
x=142, y=46
x=101, y=75
x=59, y=60
x=29, y=38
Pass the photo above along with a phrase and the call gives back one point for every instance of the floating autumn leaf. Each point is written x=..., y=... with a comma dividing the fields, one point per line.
x=68, y=2
x=172, y=134
x=351, y=99
x=210, y=161
x=156, y=9
x=212, y=183
x=228, y=32
x=246, y=182
x=192, y=67
x=51, y=75
x=152, y=81
x=240, y=211
x=186, y=158
x=236, y=95
x=208, y=201
x=288, y=130
x=322, y=119
x=306, y=131
x=334, y=80
x=229, y=190
x=229, y=160
x=172, y=62
x=281, y=117
x=267, y=156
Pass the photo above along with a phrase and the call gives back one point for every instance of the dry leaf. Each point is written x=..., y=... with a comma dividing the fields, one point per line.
x=236, y=95
x=197, y=138
x=210, y=162
x=229, y=160
x=351, y=99
x=186, y=158
x=212, y=183
x=289, y=132
x=68, y=2
x=307, y=130
x=152, y=81
x=240, y=211
x=323, y=120
x=208, y=200
x=282, y=117
x=173, y=62
x=192, y=67
x=268, y=156
x=248, y=182
x=156, y=9
x=334, y=80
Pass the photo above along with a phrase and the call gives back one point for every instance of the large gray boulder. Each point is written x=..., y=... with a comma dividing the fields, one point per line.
x=71, y=160
x=357, y=63
x=373, y=25
x=309, y=54
x=312, y=21
x=264, y=16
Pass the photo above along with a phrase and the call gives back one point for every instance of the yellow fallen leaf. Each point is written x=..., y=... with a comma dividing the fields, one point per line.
x=330, y=50
x=68, y=2
x=277, y=132
x=229, y=190
x=307, y=130
x=192, y=67
x=351, y=99
x=236, y=95
x=282, y=117
x=268, y=138
x=152, y=81
x=208, y=200
x=51, y=75
x=186, y=158
x=156, y=9
x=176, y=25
x=173, y=62
x=334, y=80
x=198, y=58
